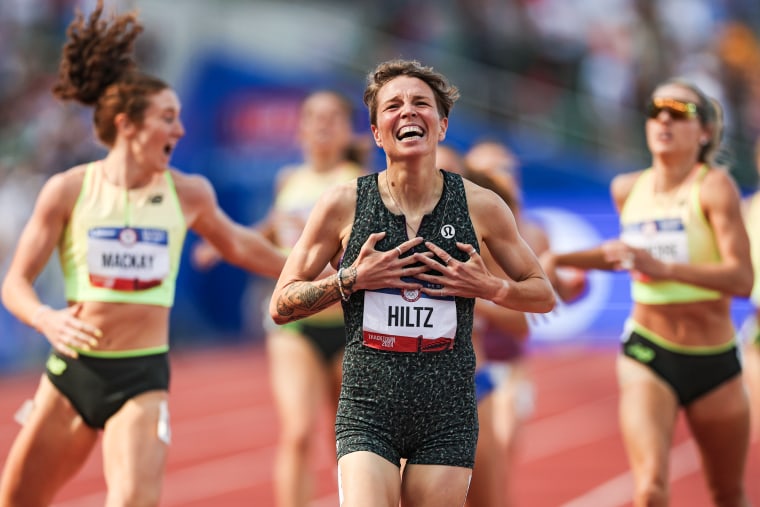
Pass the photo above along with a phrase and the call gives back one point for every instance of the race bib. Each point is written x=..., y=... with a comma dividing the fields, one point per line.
x=408, y=321
x=665, y=239
x=127, y=258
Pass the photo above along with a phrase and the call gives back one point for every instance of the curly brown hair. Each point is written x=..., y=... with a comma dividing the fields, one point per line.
x=98, y=69
x=445, y=93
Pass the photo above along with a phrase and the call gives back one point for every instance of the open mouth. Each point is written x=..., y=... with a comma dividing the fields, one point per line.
x=410, y=132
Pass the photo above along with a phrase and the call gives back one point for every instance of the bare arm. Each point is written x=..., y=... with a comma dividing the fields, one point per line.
x=237, y=244
x=597, y=257
x=205, y=256
x=512, y=323
x=592, y=258
x=38, y=240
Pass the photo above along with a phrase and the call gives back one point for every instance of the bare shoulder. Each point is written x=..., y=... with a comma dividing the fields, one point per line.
x=623, y=183
x=481, y=199
x=333, y=214
x=719, y=187
x=341, y=198
x=62, y=189
x=621, y=186
x=71, y=178
x=720, y=177
x=490, y=215
x=192, y=188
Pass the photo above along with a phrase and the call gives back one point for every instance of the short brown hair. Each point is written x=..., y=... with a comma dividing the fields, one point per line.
x=445, y=93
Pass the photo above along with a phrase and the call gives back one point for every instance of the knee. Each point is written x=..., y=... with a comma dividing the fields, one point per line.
x=297, y=437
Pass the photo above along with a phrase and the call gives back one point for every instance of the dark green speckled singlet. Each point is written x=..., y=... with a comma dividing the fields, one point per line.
x=418, y=405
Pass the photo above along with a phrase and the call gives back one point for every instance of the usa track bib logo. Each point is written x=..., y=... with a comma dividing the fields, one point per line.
x=411, y=295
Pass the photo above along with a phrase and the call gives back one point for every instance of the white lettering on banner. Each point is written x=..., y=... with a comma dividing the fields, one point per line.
x=386, y=342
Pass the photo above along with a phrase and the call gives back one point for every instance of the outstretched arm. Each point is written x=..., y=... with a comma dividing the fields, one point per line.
x=592, y=258
x=604, y=257
x=236, y=243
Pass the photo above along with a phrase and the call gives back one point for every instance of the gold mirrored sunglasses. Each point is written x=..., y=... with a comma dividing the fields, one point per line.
x=676, y=109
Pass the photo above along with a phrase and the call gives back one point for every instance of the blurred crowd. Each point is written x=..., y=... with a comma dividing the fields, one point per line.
x=576, y=73
x=582, y=70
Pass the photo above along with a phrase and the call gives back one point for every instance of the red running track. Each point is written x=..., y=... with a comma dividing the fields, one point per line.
x=224, y=433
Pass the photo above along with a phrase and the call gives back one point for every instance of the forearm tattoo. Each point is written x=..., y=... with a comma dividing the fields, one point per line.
x=301, y=299
x=349, y=279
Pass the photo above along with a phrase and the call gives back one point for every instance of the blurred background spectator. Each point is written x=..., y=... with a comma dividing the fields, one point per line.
x=562, y=83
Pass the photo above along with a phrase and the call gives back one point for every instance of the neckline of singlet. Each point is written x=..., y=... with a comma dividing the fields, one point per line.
x=443, y=200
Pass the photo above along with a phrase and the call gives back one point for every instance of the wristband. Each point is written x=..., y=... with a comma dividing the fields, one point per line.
x=340, y=285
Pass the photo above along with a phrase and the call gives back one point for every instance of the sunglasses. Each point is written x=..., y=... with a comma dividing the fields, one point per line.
x=676, y=109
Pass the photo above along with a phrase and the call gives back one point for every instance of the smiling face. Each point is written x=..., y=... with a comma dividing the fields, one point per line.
x=675, y=134
x=155, y=139
x=408, y=122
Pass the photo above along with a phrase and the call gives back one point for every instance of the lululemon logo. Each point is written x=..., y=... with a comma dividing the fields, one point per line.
x=448, y=231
